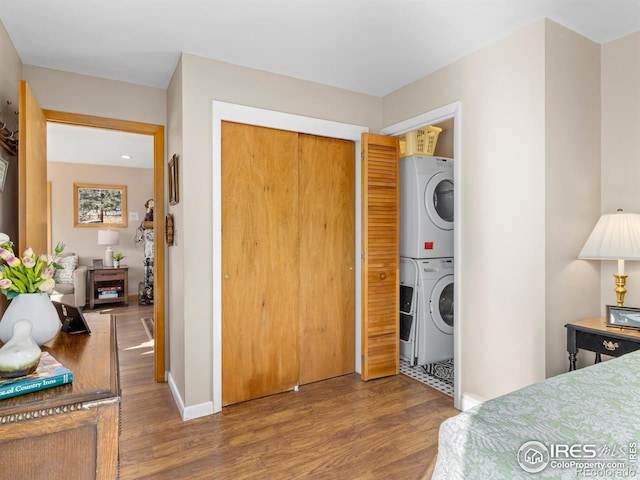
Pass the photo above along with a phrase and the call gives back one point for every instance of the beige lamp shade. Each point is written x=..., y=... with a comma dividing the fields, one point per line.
x=108, y=237
x=616, y=236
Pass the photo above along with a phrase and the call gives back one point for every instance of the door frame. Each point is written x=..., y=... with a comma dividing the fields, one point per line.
x=157, y=132
x=447, y=112
x=224, y=111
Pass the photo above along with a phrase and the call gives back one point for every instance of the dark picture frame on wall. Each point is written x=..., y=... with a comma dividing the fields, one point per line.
x=174, y=196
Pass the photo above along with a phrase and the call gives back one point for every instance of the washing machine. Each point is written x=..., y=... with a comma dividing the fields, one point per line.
x=426, y=310
x=426, y=207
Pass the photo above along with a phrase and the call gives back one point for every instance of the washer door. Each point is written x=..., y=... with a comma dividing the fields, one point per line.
x=441, y=304
x=438, y=200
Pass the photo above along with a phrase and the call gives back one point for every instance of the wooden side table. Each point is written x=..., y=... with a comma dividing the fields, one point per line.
x=70, y=431
x=108, y=285
x=594, y=335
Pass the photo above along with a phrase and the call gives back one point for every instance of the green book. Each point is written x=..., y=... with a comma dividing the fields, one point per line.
x=50, y=373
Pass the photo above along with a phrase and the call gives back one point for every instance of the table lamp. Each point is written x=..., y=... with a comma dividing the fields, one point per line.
x=108, y=237
x=616, y=236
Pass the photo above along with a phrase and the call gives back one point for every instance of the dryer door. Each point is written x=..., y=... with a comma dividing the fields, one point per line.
x=438, y=200
x=441, y=304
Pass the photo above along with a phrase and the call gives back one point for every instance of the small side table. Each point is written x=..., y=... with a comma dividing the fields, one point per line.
x=594, y=335
x=108, y=285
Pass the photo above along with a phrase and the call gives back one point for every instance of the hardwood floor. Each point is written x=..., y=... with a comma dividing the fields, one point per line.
x=341, y=428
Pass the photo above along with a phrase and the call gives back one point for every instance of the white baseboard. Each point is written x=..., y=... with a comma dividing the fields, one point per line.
x=468, y=402
x=194, y=411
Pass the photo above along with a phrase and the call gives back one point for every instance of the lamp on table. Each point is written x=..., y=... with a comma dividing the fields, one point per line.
x=108, y=237
x=616, y=236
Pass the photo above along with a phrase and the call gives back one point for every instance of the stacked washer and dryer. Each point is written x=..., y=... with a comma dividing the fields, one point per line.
x=426, y=259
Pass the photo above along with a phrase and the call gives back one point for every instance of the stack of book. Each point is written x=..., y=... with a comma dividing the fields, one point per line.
x=108, y=292
x=50, y=373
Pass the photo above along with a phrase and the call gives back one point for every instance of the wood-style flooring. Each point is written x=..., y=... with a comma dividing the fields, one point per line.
x=341, y=428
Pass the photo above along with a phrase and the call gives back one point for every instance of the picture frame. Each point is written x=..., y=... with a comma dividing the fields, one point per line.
x=623, y=317
x=97, y=263
x=4, y=167
x=168, y=229
x=174, y=196
x=99, y=206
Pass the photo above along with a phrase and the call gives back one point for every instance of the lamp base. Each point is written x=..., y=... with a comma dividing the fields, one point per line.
x=108, y=257
x=621, y=280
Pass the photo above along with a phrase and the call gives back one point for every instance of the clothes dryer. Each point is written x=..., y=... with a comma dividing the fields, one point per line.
x=434, y=334
x=426, y=207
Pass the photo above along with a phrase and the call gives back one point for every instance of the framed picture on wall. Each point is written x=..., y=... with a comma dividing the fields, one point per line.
x=4, y=166
x=99, y=206
x=173, y=180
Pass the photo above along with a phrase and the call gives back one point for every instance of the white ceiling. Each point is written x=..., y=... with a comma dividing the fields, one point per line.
x=368, y=46
x=74, y=144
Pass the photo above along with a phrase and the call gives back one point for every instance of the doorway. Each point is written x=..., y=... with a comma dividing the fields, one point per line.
x=157, y=134
x=447, y=113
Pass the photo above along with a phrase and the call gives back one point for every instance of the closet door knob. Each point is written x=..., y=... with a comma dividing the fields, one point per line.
x=383, y=276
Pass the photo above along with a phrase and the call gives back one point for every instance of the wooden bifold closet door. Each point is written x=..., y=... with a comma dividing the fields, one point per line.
x=287, y=260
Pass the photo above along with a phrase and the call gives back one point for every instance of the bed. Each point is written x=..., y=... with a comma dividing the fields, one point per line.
x=589, y=417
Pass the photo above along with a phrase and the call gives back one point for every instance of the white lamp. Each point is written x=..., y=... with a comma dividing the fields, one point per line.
x=108, y=237
x=616, y=236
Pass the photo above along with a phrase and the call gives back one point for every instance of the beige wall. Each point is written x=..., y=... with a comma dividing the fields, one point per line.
x=174, y=255
x=203, y=81
x=620, y=150
x=572, y=79
x=10, y=71
x=84, y=241
x=74, y=93
x=501, y=286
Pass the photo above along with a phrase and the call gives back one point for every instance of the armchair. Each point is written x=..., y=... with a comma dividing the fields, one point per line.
x=71, y=281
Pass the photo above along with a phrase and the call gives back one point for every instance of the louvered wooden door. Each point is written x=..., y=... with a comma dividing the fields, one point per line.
x=380, y=247
x=287, y=260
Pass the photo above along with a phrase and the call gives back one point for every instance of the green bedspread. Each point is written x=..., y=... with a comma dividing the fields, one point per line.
x=581, y=424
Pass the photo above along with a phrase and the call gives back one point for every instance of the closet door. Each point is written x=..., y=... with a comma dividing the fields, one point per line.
x=327, y=232
x=380, y=247
x=260, y=262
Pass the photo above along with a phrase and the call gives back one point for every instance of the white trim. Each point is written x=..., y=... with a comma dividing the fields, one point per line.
x=453, y=110
x=188, y=413
x=468, y=402
x=282, y=121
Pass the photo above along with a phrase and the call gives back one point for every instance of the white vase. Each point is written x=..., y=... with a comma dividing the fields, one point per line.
x=35, y=307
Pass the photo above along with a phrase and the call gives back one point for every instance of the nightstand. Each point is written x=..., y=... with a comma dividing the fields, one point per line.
x=108, y=285
x=593, y=334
